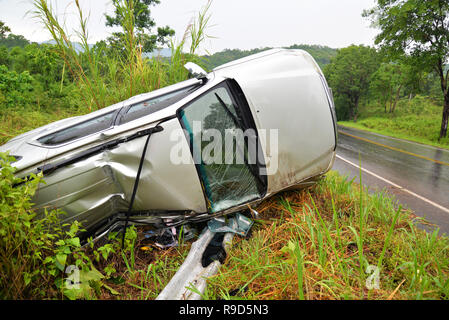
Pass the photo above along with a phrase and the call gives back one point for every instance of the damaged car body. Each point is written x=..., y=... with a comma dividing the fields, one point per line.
x=118, y=164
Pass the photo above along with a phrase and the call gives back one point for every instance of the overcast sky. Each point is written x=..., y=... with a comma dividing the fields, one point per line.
x=243, y=24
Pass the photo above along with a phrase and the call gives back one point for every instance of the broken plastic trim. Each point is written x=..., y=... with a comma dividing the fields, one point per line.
x=196, y=71
x=150, y=217
x=224, y=225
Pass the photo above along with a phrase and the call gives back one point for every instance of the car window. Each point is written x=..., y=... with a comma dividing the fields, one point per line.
x=155, y=104
x=227, y=180
x=79, y=130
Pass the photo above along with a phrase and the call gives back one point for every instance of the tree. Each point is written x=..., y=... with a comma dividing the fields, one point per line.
x=393, y=78
x=143, y=25
x=4, y=29
x=386, y=84
x=419, y=29
x=10, y=40
x=348, y=75
x=5, y=59
x=14, y=40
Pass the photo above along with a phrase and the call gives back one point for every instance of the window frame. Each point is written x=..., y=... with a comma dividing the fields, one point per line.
x=118, y=114
x=183, y=92
x=245, y=116
x=114, y=113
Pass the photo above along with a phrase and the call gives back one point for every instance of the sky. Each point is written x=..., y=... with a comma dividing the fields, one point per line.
x=234, y=24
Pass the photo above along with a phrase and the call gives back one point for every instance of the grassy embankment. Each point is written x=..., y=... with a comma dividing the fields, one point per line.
x=418, y=119
x=321, y=243
x=324, y=243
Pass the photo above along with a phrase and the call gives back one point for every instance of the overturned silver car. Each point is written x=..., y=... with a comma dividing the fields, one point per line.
x=204, y=147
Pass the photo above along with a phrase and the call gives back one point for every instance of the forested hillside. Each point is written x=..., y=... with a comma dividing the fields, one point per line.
x=321, y=54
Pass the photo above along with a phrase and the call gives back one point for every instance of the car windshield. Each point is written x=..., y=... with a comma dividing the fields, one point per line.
x=226, y=177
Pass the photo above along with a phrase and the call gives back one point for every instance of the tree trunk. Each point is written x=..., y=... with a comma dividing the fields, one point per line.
x=390, y=100
x=444, y=121
x=396, y=99
x=443, y=79
x=356, y=105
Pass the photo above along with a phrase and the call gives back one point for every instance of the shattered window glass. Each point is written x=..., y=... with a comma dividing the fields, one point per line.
x=79, y=130
x=214, y=126
x=152, y=105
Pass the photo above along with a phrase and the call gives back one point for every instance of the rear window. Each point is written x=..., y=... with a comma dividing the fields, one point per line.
x=79, y=130
x=152, y=105
x=105, y=121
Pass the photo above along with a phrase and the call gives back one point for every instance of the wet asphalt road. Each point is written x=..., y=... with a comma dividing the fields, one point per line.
x=417, y=175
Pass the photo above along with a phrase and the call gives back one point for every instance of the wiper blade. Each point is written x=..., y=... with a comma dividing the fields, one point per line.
x=234, y=118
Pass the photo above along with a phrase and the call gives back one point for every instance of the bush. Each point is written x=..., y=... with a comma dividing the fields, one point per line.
x=36, y=251
x=15, y=87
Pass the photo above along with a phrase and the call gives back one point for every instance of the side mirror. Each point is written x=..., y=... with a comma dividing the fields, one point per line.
x=196, y=71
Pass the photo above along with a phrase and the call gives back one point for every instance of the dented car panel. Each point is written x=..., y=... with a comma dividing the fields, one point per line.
x=119, y=161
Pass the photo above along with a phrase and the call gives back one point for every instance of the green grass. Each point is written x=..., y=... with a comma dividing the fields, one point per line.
x=416, y=120
x=326, y=243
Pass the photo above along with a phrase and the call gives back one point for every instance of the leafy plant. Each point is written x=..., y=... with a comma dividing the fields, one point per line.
x=14, y=86
x=36, y=250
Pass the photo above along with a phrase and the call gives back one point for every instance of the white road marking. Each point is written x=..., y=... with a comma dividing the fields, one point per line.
x=395, y=185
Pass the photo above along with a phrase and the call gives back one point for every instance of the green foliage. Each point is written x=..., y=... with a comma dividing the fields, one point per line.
x=417, y=119
x=14, y=87
x=41, y=61
x=5, y=60
x=4, y=29
x=10, y=40
x=42, y=258
x=348, y=75
x=141, y=20
x=386, y=84
x=101, y=76
x=14, y=40
x=33, y=78
x=321, y=54
x=418, y=29
x=34, y=250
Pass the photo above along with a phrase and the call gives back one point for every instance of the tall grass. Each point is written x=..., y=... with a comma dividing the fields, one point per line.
x=335, y=241
x=45, y=13
x=103, y=79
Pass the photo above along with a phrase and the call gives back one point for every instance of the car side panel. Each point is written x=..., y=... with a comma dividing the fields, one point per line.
x=101, y=186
